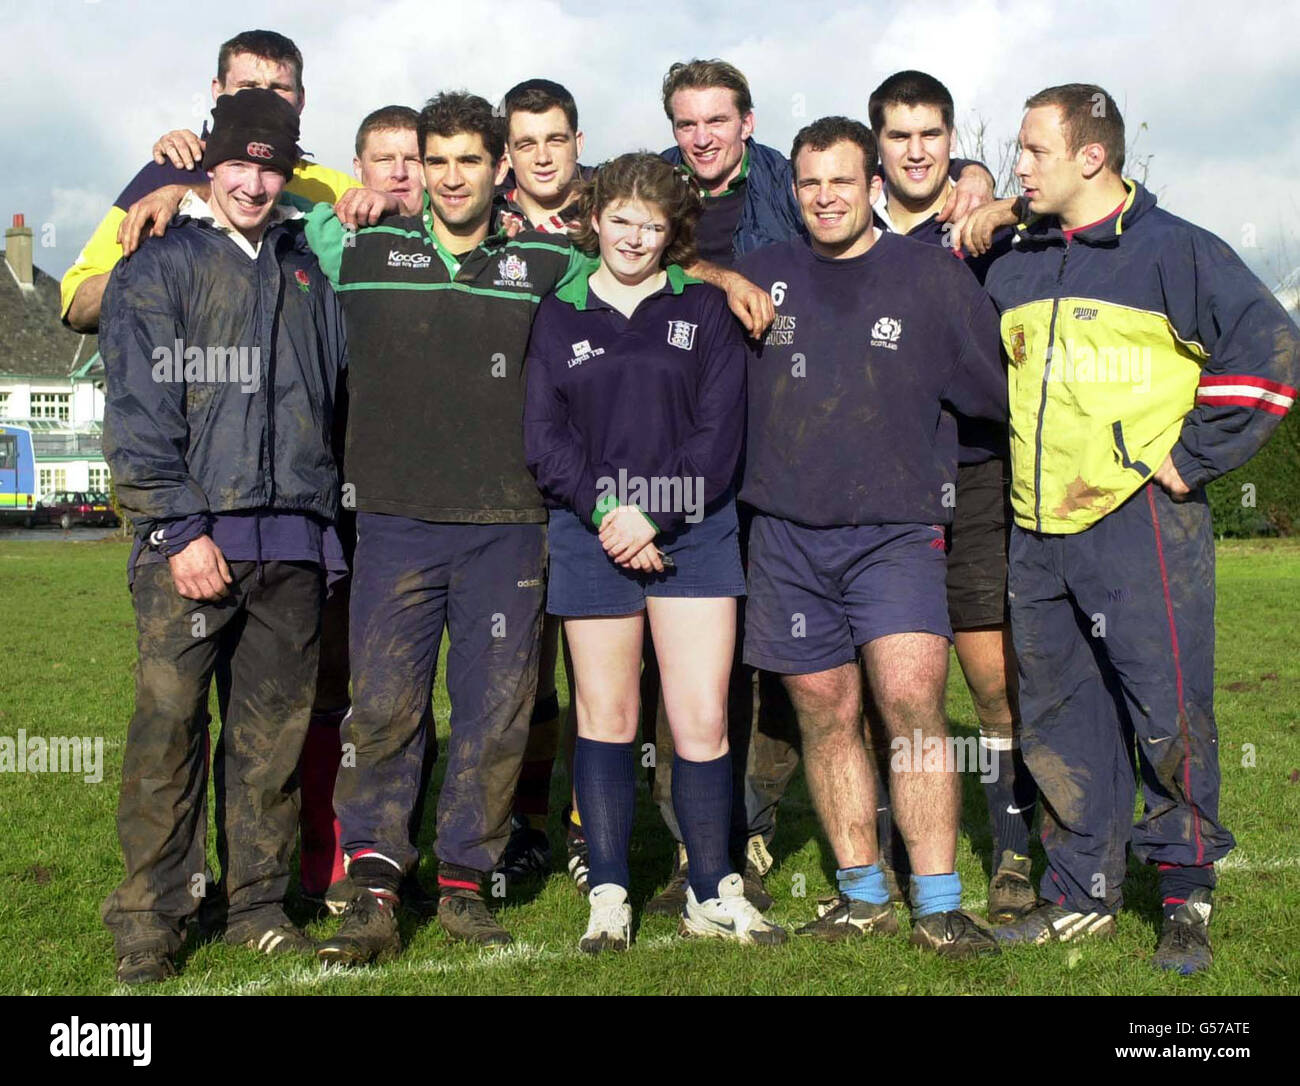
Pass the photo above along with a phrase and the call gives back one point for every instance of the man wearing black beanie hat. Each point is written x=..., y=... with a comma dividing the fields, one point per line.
x=223, y=352
x=253, y=123
x=252, y=58
x=254, y=137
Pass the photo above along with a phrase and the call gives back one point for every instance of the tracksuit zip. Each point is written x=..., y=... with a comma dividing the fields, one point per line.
x=266, y=335
x=1042, y=403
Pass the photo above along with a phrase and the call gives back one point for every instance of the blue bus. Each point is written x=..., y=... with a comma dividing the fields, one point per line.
x=18, y=495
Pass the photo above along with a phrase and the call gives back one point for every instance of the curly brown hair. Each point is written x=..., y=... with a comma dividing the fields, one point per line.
x=641, y=175
x=452, y=113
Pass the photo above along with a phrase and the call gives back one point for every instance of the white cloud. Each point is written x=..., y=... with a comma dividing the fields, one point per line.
x=73, y=208
x=89, y=87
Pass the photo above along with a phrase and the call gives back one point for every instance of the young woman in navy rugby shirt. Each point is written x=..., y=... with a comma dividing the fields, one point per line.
x=633, y=424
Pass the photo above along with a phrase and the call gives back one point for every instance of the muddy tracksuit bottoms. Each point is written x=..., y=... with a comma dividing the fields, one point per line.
x=485, y=584
x=1114, y=630
x=262, y=643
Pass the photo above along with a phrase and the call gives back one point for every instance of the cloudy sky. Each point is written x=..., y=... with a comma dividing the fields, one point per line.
x=87, y=85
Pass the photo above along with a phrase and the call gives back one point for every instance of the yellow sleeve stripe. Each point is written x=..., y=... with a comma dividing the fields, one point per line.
x=320, y=184
x=1132, y=195
x=98, y=255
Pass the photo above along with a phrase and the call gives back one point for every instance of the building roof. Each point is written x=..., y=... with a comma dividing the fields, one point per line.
x=33, y=340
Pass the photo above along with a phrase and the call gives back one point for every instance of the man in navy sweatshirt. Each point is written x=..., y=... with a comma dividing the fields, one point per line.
x=748, y=203
x=848, y=464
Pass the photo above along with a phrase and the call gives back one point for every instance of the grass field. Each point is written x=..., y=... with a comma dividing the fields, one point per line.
x=67, y=649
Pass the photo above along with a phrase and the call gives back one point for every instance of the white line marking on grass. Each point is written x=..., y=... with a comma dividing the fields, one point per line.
x=1237, y=861
x=459, y=963
x=311, y=976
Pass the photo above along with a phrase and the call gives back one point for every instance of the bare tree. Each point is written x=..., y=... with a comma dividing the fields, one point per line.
x=1284, y=269
x=1135, y=165
x=999, y=155
x=977, y=141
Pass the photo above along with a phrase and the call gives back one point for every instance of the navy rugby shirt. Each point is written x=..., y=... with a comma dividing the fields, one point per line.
x=658, y=395
x=716, y=229
x=848, y=389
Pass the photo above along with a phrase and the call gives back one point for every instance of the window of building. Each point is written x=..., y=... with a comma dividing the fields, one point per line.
x=97, y=478
x=52, y=405
x=52, y=479
x=4, y=405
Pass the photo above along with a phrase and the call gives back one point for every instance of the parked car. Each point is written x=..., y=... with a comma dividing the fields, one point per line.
x=67, y=508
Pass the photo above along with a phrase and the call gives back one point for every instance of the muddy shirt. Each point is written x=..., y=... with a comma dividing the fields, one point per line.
x=222, y=374
x=847, y=390
x=436, y=344
x=1139, y=337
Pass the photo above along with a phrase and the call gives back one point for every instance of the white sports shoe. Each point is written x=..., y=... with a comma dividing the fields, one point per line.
x=728, y=916
x=610, y=924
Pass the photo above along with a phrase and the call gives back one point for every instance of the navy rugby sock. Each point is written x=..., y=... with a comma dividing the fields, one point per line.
x=702, y=801
x=604, y=776
x=1011, y=796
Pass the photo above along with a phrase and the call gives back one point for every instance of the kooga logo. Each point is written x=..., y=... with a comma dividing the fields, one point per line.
x=408, y=260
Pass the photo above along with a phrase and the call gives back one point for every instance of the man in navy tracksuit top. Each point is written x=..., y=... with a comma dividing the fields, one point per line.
x=450, y=526
x=847, y=464
x=1145, y=360
x=223, y=349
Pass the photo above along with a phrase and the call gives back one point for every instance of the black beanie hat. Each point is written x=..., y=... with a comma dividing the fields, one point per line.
x=253, y=125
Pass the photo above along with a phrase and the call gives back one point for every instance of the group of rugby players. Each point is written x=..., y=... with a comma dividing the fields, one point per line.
x=807, y=421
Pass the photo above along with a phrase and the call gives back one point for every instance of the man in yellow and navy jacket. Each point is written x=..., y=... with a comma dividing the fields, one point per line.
x=255, y=58
x=1144, y=361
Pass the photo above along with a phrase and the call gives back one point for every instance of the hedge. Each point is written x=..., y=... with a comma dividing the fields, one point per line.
x=1262, y=497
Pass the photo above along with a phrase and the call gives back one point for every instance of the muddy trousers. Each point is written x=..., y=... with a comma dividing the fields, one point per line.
x=484, y=584
x=320, y=860
x=1114, y=630
x=264, y=639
